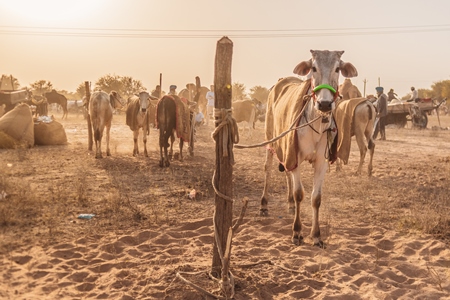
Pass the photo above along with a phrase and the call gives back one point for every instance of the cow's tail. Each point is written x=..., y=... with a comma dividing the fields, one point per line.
x=96, y=119
x=162, y=118
x=371, y=143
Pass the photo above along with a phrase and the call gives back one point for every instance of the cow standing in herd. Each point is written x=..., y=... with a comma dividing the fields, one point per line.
x=173, y=116
x=309, y=104
x=101, y=108
x=138, y=116
x=355, y=116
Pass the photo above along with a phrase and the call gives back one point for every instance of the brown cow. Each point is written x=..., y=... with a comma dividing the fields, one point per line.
x=172, y=116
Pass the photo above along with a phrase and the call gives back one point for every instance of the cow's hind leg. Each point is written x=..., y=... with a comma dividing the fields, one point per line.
x=181, y=149
x=371, y=146
x=362, y=150
x=135, y=141
x=172, y=140
x=98, y=134
x=108, y=150
x=163, y=145
x=264, y=211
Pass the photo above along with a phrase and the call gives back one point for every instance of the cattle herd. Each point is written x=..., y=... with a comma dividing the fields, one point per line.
x=305, y=120
x=322, y=132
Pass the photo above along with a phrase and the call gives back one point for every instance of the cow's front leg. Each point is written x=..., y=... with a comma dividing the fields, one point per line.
x=320, y=168
x=290, y=194
x=264, y=211
x=135, y=140
x=298, y=195
x=144, y=138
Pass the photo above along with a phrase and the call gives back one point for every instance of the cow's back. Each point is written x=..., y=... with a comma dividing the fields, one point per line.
x=244, y=110
x=99, y=108
x=166, y=114
x=284, y=91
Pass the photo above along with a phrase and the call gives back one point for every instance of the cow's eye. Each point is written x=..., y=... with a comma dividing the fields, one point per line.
x=314, y=69
x=337, y=70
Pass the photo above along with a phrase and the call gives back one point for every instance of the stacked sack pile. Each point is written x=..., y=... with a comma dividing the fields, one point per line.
x=18, y=129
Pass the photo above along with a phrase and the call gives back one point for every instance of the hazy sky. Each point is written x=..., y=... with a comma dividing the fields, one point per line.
x=403, y=43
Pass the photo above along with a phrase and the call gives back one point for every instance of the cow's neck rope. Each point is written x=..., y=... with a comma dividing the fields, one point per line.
x=307, y=98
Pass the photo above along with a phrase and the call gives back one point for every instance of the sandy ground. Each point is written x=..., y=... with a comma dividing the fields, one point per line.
x=387, y=235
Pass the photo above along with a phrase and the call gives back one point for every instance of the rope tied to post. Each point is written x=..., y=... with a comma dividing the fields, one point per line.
x=225, y=121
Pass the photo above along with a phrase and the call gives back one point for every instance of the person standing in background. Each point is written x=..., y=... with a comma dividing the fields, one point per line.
x=210, y=96
x=381, y=113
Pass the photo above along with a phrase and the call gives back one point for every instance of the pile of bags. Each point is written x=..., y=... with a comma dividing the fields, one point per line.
x=17, y=128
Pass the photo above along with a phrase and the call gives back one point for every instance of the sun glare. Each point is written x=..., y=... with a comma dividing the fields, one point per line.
x=49, y=12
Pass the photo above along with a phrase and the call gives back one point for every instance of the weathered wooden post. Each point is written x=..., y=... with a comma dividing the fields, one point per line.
x=160, y=85
x=224, y=154
x=87, y=88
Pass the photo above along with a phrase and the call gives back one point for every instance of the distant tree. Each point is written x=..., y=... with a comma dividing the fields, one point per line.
x=41, y=86
x=238, y=91
x=260, y=93
x=441, y=89
x=9, y=79
x=124, y=85
x=131, y=86
x=80, y=92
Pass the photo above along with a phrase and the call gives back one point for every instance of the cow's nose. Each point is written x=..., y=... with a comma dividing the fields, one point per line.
x=143, y=110
x=325, y=105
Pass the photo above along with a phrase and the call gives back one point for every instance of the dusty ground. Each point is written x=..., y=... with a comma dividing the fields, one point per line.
x=387, y=235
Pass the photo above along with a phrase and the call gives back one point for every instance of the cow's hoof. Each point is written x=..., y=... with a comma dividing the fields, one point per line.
x=319, y=244
x=108, y=153
x=145, y=154
x=161, y=163
x=264, y=212
x=167, y=163
x=298, y=241
x=98, y=156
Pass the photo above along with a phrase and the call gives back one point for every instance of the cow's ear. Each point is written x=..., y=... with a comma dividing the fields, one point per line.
x=303, y=68
x=348, y=70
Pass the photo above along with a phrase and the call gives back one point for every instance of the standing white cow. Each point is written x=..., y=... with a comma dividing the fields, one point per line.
x=309, y=104
x=101, y=107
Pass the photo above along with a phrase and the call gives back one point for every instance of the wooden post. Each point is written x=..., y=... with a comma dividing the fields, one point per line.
x=365, y=82
x=87, y=88
x=160, y=85
x=224, y=165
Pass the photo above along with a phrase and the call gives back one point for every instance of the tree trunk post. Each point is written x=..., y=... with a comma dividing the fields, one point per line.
x=88, y=99
x=224, y=157
x=160, y=85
